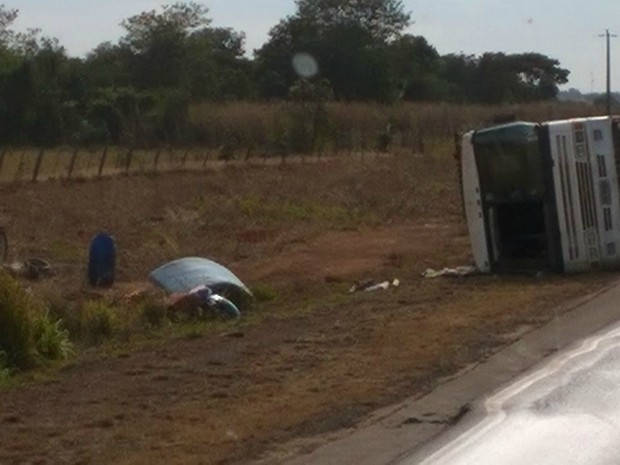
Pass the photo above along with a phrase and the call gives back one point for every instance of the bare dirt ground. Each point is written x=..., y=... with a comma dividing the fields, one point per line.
x=314, y=360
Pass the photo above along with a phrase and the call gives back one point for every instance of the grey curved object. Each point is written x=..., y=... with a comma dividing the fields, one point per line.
x=185, y=274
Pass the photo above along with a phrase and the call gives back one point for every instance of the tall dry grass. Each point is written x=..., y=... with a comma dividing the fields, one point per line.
x=248, y=131
x=266, y=127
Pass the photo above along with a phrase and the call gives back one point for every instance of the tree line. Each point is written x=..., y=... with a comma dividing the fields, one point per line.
x=138, y=91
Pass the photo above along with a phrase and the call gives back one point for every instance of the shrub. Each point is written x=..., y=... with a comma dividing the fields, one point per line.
x=27, y=332
x=154, y=313
x=16, y=338
x=68, y=312
x=51, y=339
x=98, y=321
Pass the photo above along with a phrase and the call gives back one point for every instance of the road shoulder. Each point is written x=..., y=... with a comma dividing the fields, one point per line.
x=404, y=429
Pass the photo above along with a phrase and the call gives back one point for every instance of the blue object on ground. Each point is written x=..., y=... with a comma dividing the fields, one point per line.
x=102, y=261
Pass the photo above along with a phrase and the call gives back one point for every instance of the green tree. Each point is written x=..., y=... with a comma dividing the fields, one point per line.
x=526, y=77
x=168, y=58
x=157, y=40
x=48, y=124
x=218, y=69
x=539, y=76
x=501, y=78
x=458, y=75
x=415, y=66
x=7, y=18
x=382, y=20
x=32, y=88
x=177, y=48
x=109, y=65
x=179, y=18
x=347, y=38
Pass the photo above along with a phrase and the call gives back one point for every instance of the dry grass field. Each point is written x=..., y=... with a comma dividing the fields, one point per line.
x=242, y=133
x=308, y=358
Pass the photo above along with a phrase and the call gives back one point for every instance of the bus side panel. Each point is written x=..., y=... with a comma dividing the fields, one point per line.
x=473, y=205
x=605, y=182
x=568, y=203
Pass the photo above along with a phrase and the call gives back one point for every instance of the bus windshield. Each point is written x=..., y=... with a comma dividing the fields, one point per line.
x=509, y=164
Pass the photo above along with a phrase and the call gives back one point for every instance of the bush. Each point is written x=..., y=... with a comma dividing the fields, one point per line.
x=27, y=332
x=16, y=335
x=154, y=313
x=68, y=312
x=51, y=339
x=98, y=321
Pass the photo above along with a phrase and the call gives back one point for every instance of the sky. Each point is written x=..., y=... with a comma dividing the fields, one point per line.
x=567, y=30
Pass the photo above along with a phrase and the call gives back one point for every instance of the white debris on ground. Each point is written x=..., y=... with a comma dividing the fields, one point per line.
x=459, y=271
x=370, y=285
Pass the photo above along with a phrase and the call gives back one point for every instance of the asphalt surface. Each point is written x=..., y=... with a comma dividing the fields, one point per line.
x=566, y=411
x=551, y=397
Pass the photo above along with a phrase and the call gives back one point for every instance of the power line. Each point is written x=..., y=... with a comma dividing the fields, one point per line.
x=608, y=37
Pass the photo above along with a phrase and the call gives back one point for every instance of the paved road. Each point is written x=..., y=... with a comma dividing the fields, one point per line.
x=565, y=412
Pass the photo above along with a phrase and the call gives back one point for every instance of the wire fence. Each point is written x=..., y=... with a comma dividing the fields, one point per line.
x=21, y=165
x=32, y=165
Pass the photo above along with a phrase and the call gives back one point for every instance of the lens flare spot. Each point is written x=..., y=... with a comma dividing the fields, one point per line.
x=305, y=65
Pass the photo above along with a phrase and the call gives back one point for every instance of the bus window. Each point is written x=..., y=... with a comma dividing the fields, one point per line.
x=511, y=178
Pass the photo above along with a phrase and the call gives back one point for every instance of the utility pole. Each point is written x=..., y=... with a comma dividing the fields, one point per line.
x=608, y=37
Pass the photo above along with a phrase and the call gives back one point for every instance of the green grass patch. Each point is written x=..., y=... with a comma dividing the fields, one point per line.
x=51, y=338
x=17, y=310
x=28, y=332
x=154, y=313
x=99, y=321
x=264, y=293
x=296, y=210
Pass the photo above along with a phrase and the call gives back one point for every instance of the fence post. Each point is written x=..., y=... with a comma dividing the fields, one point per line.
x=2, y=159
x=156, y=162
x=104, y=155
x=185, y=155
x=89, y=162
x=248, y=152
x=285, y=153
x=37, y=166
x=128, y=160
x=169, y=165
x=205, y=159
x=72, y=162
x=20, y=167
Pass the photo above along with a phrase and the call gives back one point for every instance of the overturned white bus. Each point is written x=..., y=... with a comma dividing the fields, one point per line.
x=543, y=196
